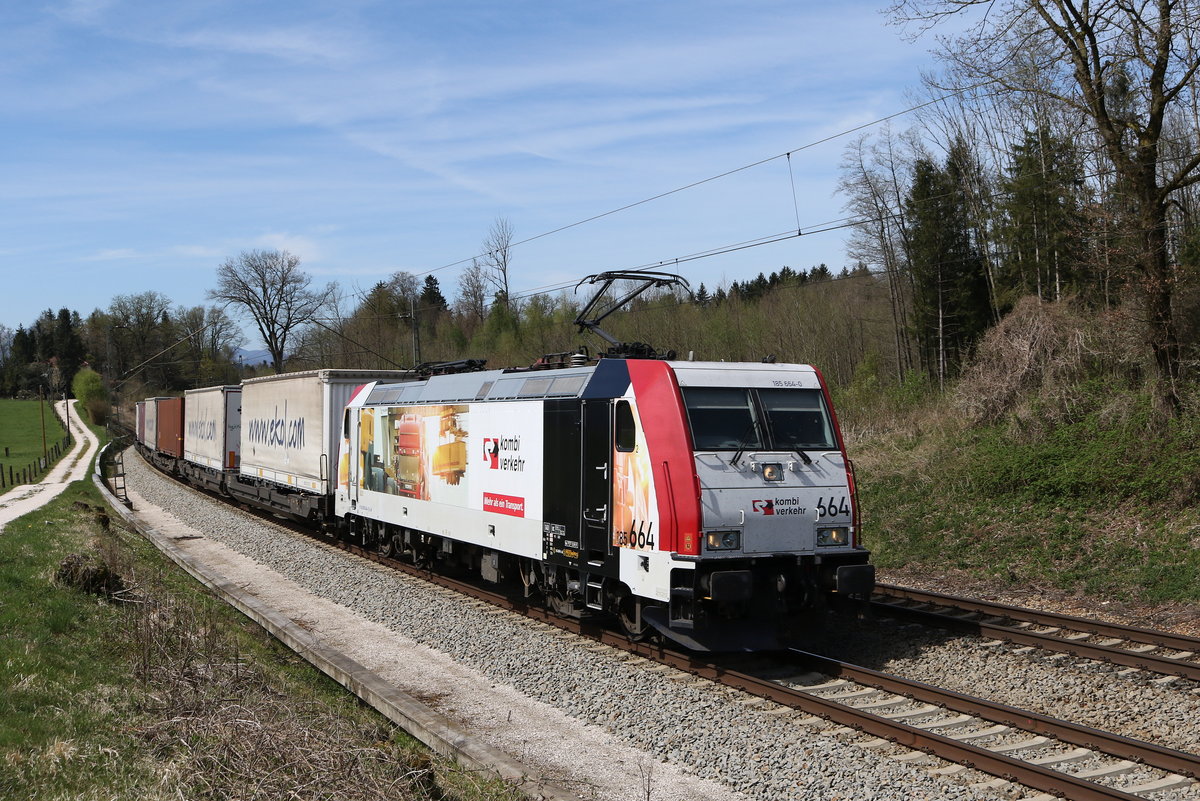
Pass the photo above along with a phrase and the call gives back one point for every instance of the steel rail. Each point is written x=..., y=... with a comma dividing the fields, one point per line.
x=1163, y=639
x=1044, y=640
x=1105, y=742
x=1004, y=766
x=1001, y=765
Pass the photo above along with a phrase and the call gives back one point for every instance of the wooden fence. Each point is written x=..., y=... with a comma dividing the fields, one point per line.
x=15, y=475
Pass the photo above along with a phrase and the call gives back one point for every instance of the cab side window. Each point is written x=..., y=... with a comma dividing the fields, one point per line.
x=626, y=427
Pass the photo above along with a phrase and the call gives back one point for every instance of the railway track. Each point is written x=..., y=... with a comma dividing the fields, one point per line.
x=1055, y=757
x=1050, y=756
x=1134, y=648
x=1047, y=754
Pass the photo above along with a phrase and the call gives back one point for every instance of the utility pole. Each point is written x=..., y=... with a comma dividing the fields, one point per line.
x=416, y=331
x=42, y=409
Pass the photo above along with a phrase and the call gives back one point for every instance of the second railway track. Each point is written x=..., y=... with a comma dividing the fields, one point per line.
x=1037, y=751
x=1145, y=649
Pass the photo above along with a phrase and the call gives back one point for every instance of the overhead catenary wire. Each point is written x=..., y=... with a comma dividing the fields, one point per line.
x=133, y=371
x=710, y=179
x=826, y=227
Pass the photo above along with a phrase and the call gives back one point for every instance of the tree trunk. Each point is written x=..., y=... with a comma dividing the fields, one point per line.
x=1159, y=280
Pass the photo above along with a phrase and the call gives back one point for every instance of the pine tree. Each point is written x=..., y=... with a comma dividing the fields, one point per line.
x=1042, y=219
x=950, y=303
x=754, y=290
x=433, y=302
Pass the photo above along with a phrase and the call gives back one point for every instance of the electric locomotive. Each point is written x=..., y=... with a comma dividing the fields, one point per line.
x=711, y=502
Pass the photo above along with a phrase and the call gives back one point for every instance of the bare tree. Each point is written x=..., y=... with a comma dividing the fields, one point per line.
x=497, y=250
x=471, y=303
x=211, y=338
x=269, y=287
x=141, y=327
x=404, y=287
x=874, y=181
x=6, y=336
x=1126, y=66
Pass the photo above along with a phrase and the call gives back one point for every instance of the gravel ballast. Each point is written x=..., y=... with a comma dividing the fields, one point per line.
x=759, y=750
x=1133, y=703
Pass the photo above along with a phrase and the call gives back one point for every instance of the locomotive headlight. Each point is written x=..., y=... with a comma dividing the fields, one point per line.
x=772, y=472
x=723, y=540
x=833, y=536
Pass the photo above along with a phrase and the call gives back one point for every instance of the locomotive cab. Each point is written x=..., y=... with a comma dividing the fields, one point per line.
x=778, y=514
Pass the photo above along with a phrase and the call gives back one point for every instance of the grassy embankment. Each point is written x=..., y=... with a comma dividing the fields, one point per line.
x=1072, y=480
x=21, y=433
x=126, y=679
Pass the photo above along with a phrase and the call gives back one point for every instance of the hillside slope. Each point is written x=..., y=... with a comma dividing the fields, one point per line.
x=1048, y=465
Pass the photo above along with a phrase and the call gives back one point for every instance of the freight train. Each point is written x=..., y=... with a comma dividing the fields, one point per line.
x=708, y=503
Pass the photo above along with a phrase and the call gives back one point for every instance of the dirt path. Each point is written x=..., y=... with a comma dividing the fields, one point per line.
x=23, y=499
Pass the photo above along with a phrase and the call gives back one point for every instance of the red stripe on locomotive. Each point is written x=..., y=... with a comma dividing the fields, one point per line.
x=669, y=441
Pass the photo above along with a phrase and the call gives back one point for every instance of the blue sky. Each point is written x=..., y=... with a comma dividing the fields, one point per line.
x=146, y=141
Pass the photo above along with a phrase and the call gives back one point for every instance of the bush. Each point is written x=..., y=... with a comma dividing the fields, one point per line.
x=88, y=388
x=1032, y=366
x=86, y=572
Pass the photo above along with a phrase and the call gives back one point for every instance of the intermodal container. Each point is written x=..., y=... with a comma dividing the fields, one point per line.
x=212, y=436
x=169, y=432
x=292, y=424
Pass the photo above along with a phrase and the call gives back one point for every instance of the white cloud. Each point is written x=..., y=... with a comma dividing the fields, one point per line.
x=114, y=254
x=82, y=12
x=297, y=245
x=296, y=44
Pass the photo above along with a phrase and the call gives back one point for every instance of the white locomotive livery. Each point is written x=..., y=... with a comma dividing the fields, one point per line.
x=711, y=503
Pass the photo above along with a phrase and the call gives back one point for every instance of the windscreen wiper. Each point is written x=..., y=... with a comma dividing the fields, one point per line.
x=804, y=457
x=742, y=441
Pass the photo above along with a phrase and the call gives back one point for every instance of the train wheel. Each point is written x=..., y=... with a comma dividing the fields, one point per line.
x=629, y=615
x=387, y=546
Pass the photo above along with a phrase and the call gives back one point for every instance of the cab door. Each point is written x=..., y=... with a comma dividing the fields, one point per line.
x=596, y=491
x=349, y=458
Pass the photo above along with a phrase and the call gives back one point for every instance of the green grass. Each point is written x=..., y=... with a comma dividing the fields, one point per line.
x=1105, y=501
x=166, y=692
x=21, y=432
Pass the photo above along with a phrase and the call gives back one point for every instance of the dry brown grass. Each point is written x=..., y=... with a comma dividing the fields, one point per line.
x=224, y=713
x=1032, y=364
x=230, y=729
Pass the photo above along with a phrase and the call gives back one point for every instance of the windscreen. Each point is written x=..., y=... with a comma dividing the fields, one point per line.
x=797, y=419
x=722, y=419
x=758, y=419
